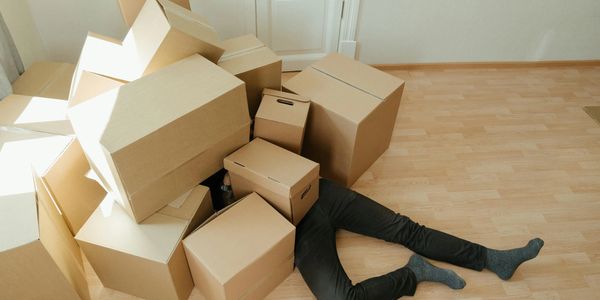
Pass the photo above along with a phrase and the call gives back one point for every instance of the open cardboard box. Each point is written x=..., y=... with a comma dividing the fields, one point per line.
x=281, y=119
x=251, y=61
x=147, y=259
x=244, y=251
x=131, y=8
x=163, y=33
x=155, y=138
x=352, y=115
x=45, y=79
x=286, y=180
x=39, y=257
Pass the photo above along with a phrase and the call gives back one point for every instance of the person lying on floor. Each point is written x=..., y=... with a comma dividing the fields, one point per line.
x=341, y=208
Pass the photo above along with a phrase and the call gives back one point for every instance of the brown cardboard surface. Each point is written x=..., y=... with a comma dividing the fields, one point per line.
x=90, y=85
x=163, y=33
x=352, y=115
x=45, y=79
x=35, y=113
x=146, y=259
x=38, y=254
x=281, y=119
x=149, y=144
x=131, y=8
x=286, y=180
x=250, y=60
x=221, y=270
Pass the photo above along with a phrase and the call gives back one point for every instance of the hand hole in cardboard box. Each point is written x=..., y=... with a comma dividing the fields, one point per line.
x=286, y=102
x=306, y=191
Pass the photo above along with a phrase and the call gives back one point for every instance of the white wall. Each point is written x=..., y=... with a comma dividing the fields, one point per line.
x=18, y=19
x=63, y=24
x=418, y=31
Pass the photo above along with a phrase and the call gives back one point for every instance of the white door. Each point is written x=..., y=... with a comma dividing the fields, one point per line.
x=300, y=31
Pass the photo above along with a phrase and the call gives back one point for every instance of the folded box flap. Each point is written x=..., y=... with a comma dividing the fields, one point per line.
x=358, y=75
x=284, y=95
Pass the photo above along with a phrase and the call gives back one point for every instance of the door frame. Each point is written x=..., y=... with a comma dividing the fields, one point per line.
x=348, y=27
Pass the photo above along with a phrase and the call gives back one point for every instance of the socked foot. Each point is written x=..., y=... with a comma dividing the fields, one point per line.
x=424, y=271
x=505, y=262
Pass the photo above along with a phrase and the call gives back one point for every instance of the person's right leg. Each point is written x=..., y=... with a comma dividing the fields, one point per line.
x=357, y=213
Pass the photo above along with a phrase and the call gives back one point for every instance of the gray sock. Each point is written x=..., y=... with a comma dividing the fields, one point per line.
x=424, y=271
x=505, y=262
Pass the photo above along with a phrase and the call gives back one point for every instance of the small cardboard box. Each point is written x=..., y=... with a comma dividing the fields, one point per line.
x=281, y=119
x=288, y=181
x=242, y=253
x=163, y=33
x=352, y=115
x=39, y=257
x=152, y=139
x=251, y=61
x=131, y=8
x=45, y=79
x=145, y=260
x=35, y=113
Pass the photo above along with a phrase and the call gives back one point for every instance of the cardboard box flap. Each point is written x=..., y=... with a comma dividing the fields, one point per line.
x=155, y=93
x=358, y=75
x=19, y=149
x=130, y=10
x=91, y=85
x=334, y=95
x=187, y=204
x=289, y=171
x=194, y=25
x=45, y=79
x=251, y=222
x=110, y=226
x=284, y=95
x=241, y=44
x=35, y=113
x=283, y=109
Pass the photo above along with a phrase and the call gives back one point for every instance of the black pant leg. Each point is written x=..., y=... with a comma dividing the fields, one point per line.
x=354, y=212
x=318, y=262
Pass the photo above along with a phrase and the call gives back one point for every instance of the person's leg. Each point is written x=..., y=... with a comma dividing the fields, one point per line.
x=357, y=213
x=317, y=260
x=354, y=212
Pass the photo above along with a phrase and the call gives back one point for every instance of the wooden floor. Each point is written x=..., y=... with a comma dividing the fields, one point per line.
x=496, y=156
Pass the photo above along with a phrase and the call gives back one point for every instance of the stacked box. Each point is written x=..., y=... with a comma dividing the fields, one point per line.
x=243, y=252
x=39, y=257
x=131, y=8
x=45, y=79
x=281, y=119
x=147, y=259
x=352, y=116
x=152, y=139
x=251, y=61
x=36, y=114
x=286, y=180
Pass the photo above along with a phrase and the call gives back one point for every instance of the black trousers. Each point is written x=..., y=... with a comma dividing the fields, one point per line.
x=341, y=208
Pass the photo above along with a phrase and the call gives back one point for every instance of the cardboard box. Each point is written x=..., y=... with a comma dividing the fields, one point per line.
x=352, y=115
x=131, y=8
x=251, y=61
x=45, y=79
x=163, y=33
x=155, y=138
x=145, y=260
x=288, y=181
x=281, y=119
x=35, y=113
x=244, y=252
x=39, y=257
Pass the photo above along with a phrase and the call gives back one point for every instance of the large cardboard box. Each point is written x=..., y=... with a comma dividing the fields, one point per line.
x=352, y=115
x=242, y=253
x=145, y=260
x=157, y=137
x=131, y=8
x=281, y=119
x=35, y=113
x=39, y=257
x=162, y=34
x=288, y=181
x=45, y=79
x=251, y=61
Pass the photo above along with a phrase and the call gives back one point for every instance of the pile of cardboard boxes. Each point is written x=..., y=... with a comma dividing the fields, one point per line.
x=106, y=157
